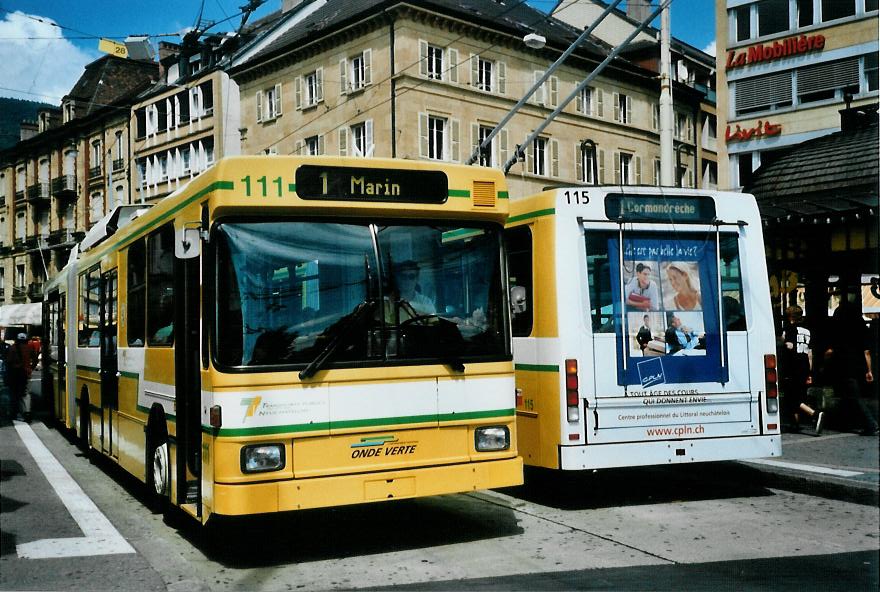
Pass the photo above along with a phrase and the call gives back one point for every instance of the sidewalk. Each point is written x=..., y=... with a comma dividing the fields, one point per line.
x=837, y=465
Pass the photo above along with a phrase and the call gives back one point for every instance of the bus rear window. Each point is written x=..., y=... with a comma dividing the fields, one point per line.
x=731, y=284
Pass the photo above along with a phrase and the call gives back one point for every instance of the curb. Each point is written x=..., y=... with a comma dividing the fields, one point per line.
x=827, y=486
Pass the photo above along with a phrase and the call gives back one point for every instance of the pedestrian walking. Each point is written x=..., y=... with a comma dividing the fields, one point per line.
x=849, y=362
x=18, y=373
x=796, y=369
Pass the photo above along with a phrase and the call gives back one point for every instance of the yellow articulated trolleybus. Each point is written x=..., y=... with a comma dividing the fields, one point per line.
x=643, y=333
x=289, y=333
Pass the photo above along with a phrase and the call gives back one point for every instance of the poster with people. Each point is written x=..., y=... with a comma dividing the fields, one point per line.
x=669, y=308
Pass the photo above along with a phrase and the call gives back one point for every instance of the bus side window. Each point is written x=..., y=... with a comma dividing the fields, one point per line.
x=160, y=287
x=89, y=289
x=599, y=278
x=731, y=284
x=518, y=242
x=137, y=289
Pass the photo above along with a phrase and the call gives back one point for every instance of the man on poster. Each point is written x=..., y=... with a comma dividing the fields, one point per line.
x=640, y=291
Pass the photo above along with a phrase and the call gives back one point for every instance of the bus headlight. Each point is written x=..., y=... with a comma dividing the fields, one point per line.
x=492, y=439
x=261, y=458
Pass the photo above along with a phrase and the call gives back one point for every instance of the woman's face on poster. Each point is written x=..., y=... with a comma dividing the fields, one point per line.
x=676, y=278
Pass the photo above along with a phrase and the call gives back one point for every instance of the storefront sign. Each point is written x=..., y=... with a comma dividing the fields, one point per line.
x=784, y=48
x=763, y=129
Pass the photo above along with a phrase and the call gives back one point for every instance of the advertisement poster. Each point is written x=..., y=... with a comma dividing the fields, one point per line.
x=669, y=307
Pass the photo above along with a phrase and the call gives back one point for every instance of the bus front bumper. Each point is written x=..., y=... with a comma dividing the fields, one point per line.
x=322, y=492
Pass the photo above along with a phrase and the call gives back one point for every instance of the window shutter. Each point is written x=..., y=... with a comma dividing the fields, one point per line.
x=319, y=84
x=455, y=137
x=370, y=147
x=502, y=77
x=629, y=109
x=298, y=91
x=300, y=145
x=343, y=76
x=554, y=158
x=655, y=116
x=599, y=98
x=259, y=105
x=615, y=98
x=578, y=163
x=657, y=172
x=616, y=157
x=763, y=91
x=554, y=91
x=828, y=76
x=530, y=157
x=343, y=141
x=690, y=178
x=423, y=58
x=502, y=146
x=423, y=135
x=601, y=166
x=453, y=65
x=690, y=130
x=538, y=97
x=579, y=101
x=475, y=70
x=475, y=139
x=368, y=66
x=638, y=161
x=277, y=99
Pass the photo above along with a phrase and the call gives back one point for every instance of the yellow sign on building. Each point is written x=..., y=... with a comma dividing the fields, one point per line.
x=113, y=48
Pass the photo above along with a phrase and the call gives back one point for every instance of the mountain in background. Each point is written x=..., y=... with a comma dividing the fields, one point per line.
x=12, y=113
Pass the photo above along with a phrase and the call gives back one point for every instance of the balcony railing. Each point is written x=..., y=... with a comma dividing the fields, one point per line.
x=19, y=196
x=95, y=172
x=118, y=165
x=38, y=192
x=64, y=186
x=35, y=290
x=19, y=293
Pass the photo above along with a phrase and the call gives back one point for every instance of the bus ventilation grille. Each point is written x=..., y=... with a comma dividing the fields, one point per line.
x=484, y=194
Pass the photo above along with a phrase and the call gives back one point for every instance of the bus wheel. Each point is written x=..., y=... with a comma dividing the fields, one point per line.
x=158, y=474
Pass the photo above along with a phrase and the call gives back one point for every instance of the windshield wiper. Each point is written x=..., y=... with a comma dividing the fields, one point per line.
x=340, y=334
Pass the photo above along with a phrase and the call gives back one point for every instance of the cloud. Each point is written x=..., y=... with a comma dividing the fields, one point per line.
x=710, y=49
x=38, y=63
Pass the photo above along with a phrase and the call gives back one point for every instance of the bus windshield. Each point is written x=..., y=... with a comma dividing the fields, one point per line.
x=291, y=292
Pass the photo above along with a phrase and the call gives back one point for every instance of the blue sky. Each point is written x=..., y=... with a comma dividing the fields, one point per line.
x=42, y=60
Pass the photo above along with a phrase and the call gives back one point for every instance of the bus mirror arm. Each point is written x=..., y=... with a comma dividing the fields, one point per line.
x=189, y=239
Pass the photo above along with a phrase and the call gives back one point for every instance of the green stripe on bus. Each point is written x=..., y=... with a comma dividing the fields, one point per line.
x=503, y=195
x=459, y=193
x=168, y=416
x=535, y=214
x=536, y=367
x=364, y=423
x=291, y=187
x=87, y=368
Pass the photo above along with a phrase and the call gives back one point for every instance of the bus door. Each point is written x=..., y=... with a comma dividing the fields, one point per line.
x=109, y=362
x=187, y=379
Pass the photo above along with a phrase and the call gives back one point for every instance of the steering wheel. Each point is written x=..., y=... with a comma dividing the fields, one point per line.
x=419, y=319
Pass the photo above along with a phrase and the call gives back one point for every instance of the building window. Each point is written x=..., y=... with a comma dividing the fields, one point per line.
x=484, y=74
x=20, y=226
x=314, y=83
x=436, y=137
x=744, y=169
x=837, y=9
x=268, y=103
x=772, y=17
x=539, y=157
x=358, y=72
x=163, y=167
x=657, y=172
x=742, y=16
x=186, y=159
x=588, y=165
x=828, y=80
x=624, y=176
x=314, y=145
x=589, y=101
x=870, y=69
x=435, y=62
x=19, y=276
x=763, y=93
x=361, y=139
x=804, y=13
x=622, y=108
x=548, y=93
x=487, y=155
x=96, y=207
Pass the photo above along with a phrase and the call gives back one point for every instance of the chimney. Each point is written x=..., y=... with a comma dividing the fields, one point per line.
x=638, y=10
x=28, y=129
x=288, y=5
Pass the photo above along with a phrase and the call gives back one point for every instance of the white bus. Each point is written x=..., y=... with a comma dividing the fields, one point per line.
x=642, y=328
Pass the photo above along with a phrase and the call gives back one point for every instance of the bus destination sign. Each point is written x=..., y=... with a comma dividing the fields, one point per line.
x=369, y=184
x=660, y=208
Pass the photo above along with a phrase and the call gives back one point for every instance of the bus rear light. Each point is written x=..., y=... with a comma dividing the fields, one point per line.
x=770, y=383
x=572, y=398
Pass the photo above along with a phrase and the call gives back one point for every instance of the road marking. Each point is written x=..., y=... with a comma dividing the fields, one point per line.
x=808, y=468
x=101, y=538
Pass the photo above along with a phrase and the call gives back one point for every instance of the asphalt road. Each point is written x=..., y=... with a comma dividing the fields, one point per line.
x=665, y=528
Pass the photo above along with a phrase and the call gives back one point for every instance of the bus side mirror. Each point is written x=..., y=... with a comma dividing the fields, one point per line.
x=187, y=243
x=518, y=299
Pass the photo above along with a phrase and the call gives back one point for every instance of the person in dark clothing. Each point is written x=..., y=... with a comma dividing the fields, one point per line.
x=18, y=372
x=644, y=336
x=795, y=369
x=849, y=360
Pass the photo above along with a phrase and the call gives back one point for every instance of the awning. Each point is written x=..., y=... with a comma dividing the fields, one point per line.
x=21, y=314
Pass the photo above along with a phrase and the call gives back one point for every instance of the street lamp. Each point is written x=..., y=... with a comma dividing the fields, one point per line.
x=534, y=41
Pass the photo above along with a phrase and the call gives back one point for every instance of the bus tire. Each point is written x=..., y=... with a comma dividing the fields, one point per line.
x=158, y=464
